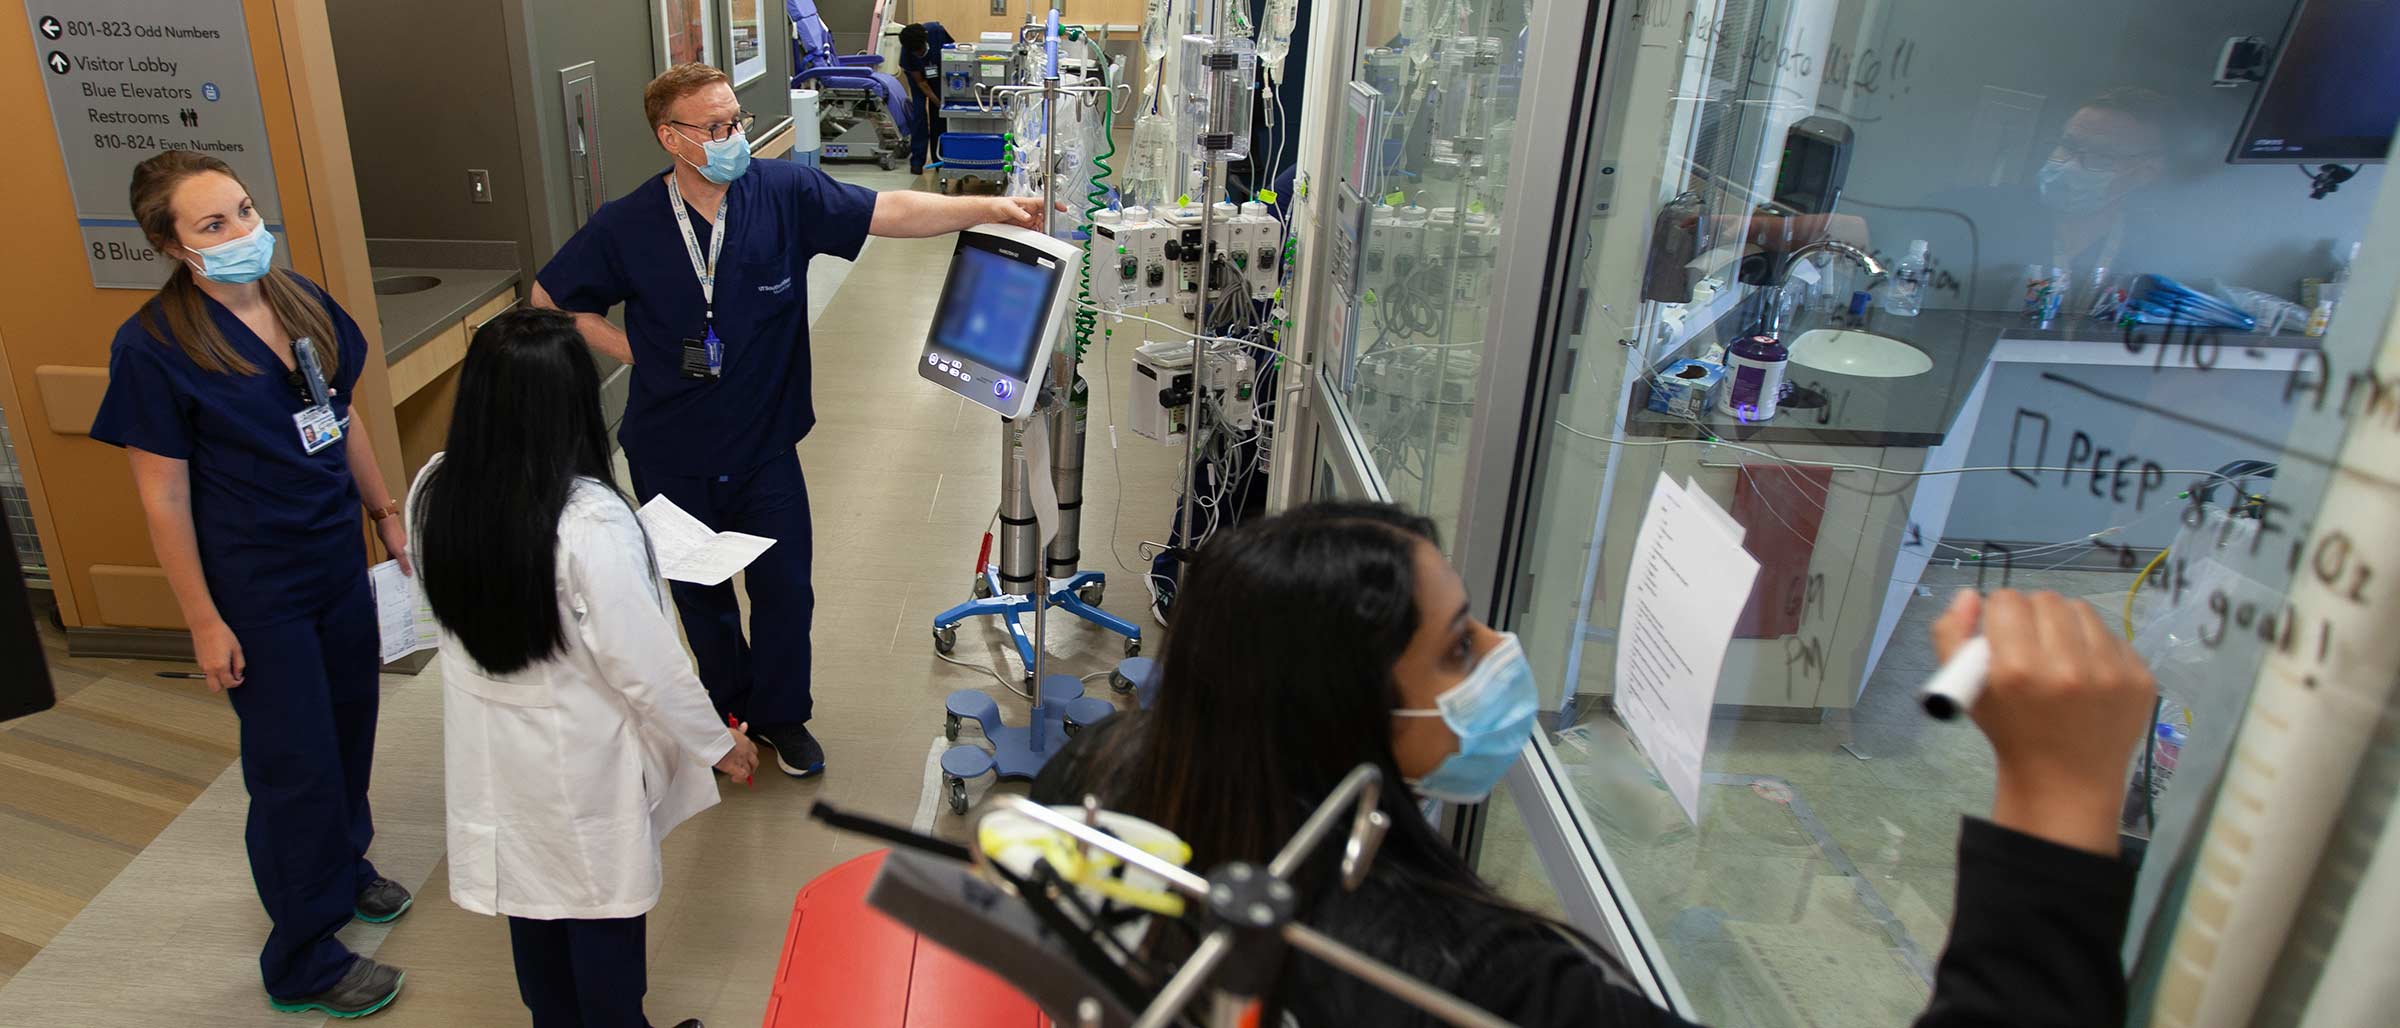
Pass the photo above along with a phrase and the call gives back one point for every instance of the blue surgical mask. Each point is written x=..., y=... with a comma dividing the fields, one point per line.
x=2070, y=188
x=236, y=261
x=1491, y=712
x=728, y=158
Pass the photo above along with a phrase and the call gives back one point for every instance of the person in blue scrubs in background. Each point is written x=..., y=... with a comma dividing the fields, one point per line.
x=230, y=393
x=710, y=260
x=921, y=46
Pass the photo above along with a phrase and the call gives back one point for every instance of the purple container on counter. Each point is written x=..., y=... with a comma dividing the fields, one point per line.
x=1754, y=368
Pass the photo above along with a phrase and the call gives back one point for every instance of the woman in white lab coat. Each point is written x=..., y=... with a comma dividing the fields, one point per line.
x=575, y=734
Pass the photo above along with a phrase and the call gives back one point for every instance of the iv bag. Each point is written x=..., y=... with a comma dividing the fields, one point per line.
x=1156, y=32
x=1151, y=175
x=1275, y=37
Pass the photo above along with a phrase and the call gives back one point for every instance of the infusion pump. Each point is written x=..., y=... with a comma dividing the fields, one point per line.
x=1161, y=390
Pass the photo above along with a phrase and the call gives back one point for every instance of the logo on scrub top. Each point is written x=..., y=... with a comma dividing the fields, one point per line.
x=777, y=287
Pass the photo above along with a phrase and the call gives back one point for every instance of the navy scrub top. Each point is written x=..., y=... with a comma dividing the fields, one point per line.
x=277, y=526
x=630, y=252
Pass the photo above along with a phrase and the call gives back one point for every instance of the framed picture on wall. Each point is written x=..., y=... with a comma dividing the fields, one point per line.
x=686, y=32
x=749, y=40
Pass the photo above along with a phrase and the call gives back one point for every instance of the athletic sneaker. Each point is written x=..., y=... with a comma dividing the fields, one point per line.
x=796, y=751
x=382, y=902
x=363, y=989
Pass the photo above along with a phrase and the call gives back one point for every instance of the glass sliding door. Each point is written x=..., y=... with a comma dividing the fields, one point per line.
x=1999, y=415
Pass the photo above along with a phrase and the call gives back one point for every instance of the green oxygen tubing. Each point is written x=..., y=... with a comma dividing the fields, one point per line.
x=1095, y=200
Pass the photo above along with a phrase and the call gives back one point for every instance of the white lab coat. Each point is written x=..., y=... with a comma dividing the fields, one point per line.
x=564, y=777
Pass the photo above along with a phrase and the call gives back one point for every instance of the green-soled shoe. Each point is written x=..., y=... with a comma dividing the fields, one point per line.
x=382, y=902
x=363, y=989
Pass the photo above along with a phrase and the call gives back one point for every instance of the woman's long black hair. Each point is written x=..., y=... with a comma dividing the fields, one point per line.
x=1277, y=681
x=527, y=425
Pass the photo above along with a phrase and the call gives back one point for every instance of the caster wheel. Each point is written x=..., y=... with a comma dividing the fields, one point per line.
x=886, y=162
x=1071, y=728
x=950, y=727
x=945, y=640
x=982, y=589
x=956, y=789
x=1118, y=683
x=1133, y=648
x=1092, y=594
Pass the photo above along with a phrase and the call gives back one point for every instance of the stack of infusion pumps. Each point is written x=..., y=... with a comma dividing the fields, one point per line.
x=1141, y=258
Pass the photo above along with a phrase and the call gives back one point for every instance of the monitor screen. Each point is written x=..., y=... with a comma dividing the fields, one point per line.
x=2334, y=95
x=992, y=310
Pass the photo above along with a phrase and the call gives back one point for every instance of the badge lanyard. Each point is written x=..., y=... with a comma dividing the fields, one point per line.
x=316, y=422
x=705, y=269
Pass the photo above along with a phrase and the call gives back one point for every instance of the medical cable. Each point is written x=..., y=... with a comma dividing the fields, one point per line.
x=1838, y=465
x=1965, y=554
x=986, y=669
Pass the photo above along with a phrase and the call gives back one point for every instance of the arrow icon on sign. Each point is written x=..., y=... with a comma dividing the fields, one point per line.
x=51, y=29
x=58, y=62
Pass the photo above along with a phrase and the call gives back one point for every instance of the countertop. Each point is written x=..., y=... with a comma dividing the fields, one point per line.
x=409, y=319
x=1903, y=412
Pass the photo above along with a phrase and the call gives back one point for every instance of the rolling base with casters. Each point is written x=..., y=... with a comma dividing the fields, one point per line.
x=1017, y=752
x=1079, y=595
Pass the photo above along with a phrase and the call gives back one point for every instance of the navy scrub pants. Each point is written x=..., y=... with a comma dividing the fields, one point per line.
x=920, y=140
x=581, y=974
x=307, y=706
x=763, y=680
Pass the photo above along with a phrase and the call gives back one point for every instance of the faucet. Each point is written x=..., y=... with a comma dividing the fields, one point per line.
x=1775, y=301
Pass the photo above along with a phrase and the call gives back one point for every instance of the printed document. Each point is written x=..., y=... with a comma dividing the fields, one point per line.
x=1687, y=585
x=402, y=613
x=689, y=552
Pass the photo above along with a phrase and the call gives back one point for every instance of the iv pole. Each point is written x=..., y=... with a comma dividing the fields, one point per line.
x=1215, y=139
x=1020, y=753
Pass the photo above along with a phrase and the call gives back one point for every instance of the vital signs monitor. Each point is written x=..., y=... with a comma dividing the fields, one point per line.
x=999, y=317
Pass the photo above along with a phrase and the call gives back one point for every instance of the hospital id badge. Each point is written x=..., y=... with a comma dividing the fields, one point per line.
x=697, y=362
x=318, y=428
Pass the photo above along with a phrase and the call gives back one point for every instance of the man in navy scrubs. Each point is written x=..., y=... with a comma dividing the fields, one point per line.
x=711, y=263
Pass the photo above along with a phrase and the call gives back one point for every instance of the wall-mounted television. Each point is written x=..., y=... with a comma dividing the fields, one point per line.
x=2334, y=94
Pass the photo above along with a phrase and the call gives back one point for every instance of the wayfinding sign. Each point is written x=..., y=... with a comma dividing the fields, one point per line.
x=130, y=78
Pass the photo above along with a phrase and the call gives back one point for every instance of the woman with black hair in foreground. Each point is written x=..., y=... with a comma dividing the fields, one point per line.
x=1335, y=635
x=574, y=733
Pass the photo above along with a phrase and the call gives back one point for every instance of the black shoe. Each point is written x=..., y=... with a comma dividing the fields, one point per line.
x=363, y=989
x=796, y=751
x=382, y=902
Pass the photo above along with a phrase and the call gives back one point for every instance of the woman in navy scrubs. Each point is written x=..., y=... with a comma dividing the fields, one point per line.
x=230, y=392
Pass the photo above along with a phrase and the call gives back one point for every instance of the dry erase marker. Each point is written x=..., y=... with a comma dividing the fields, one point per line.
x=1954, y=688
x=192, y=676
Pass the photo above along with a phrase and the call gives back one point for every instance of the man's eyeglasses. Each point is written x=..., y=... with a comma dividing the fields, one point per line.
x=720, y=131
x=2098, y=160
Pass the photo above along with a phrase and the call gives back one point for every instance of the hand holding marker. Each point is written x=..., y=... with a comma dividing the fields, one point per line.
x=2064, y=700
x=739, y=728
x=1955, y=687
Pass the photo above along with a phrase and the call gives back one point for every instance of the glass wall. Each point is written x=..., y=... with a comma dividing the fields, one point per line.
x=1425, y=179
x=2035, y=330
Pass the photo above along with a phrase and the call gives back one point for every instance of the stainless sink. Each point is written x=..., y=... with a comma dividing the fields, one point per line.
x=1858, y=354
x=402, y=285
